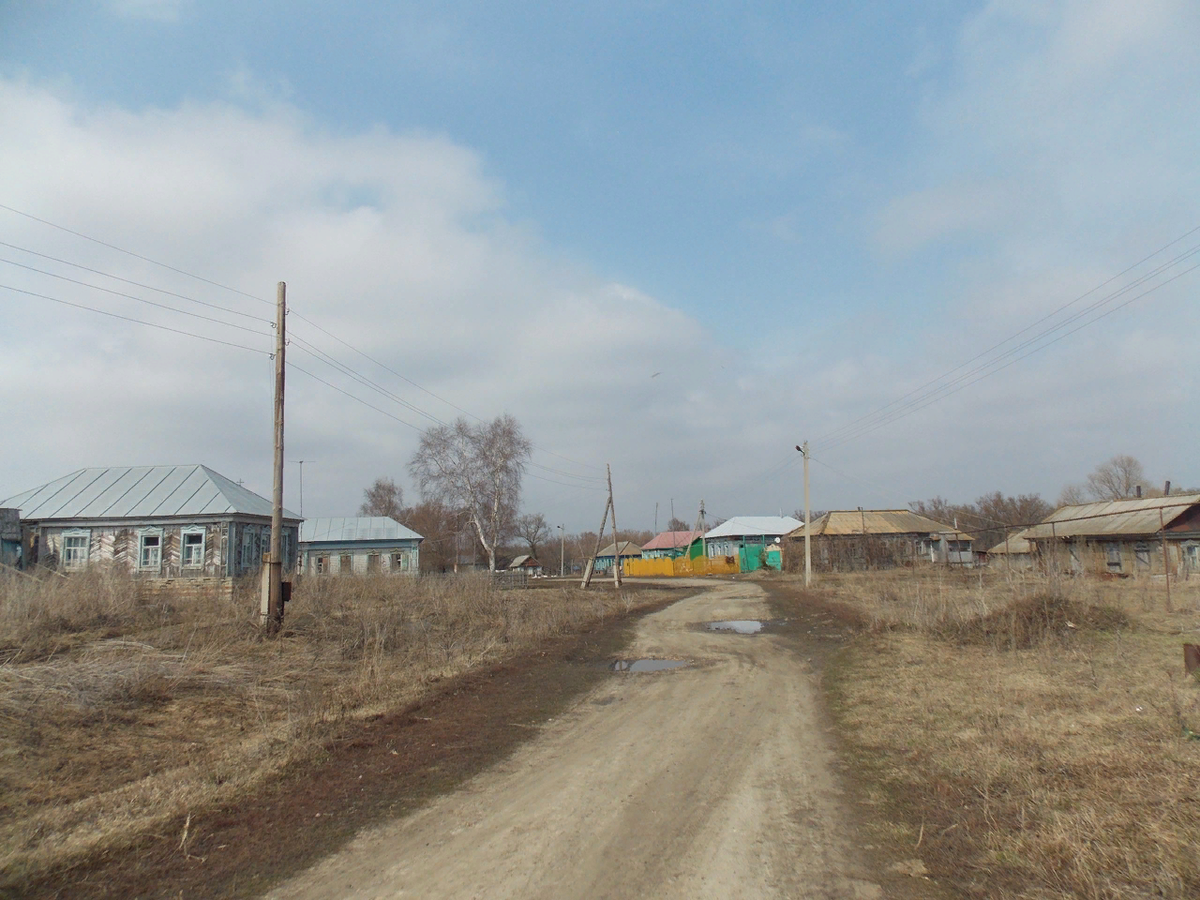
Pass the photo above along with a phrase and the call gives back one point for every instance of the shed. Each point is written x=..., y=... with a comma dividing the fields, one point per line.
x=155, y=521
x=362, y=545
x=1014, y=554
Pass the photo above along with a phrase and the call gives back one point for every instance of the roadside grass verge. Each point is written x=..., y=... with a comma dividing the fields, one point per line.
x=122, y=711
x=1026, y=738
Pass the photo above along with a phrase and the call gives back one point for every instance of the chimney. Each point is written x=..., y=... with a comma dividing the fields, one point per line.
x=1167, y=488
x=1139, y=491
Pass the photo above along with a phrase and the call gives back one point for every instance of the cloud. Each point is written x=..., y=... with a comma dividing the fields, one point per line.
x=151, y=10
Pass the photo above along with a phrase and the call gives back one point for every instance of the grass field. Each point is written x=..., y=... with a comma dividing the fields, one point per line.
x=121, y=710
x=1024, y=737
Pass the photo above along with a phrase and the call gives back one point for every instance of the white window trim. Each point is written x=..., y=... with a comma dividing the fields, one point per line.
x=84, y=533
x=183, y=533
x=144, y=533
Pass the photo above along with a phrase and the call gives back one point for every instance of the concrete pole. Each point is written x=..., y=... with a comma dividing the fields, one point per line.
x=807, y=524
x=271, y=607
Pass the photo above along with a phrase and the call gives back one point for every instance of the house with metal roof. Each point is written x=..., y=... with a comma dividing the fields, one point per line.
x=669, y=544
x=606, y=557
x=1144, y=536
x=1014, y=553
x=362, y=545
x=155, y=521
x=856, y=539
x=756, y=541
x=525, y=563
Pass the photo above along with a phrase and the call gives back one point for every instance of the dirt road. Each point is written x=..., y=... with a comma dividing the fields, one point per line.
x=712, y=780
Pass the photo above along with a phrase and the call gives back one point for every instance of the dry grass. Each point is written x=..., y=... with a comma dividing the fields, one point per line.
x=120, y=711
x=1028, y=738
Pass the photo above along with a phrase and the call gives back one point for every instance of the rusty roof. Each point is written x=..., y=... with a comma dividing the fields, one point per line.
x=670, y=540
x=879, y=521
x=1114, y=517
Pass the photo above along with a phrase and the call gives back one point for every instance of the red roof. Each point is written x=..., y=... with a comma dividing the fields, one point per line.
x=671, y=540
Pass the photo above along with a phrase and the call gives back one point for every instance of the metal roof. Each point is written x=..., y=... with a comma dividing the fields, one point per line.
x=628, y=548
x=140, y=492
x=361, y=528
x=670, y=540
x=1017, y=544
x=764, y=525
x=524, y=560
x=1113, y=517
x=879, y=521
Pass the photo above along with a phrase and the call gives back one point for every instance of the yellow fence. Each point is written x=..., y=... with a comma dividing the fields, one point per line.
x=681, y=567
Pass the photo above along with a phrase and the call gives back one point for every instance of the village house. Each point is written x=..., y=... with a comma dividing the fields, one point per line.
x=527, y=564
x=155, y=521
x=606, y=557
x=858, y=539
x=363, y=545
x=669, y=544
x=1014, y=554
x=1146, y=536
x=756, y=541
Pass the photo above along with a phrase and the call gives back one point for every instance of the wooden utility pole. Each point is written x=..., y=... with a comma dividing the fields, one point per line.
x=700, y=527
x=562, y=550
x=590, y=565
x=271, y=604
x=1162, y=530
x=616, y=544
x=807, y=536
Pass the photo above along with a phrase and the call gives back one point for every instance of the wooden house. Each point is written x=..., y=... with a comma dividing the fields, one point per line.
x=156, y=521
x=606, y=557
x=364, y=545
x=756, y=541
x=858, y=539
x=1146, y=536
x=525, y=563
x=669, y=544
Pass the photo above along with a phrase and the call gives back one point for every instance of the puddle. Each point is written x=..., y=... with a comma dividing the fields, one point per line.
x=740, y=626
x=647, y=665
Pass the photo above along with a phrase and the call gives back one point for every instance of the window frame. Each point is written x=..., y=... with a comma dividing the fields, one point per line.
x=68, y=559
x=191, y=531
x=143, y=535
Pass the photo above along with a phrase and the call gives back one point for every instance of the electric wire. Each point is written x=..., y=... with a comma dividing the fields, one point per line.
x=149, y=287
x=96, y=287
x=114, y=315
x=155, y=262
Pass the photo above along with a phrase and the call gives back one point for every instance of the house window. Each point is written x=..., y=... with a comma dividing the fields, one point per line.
x=373, y=564
x=346, y=566
x=1141, y=554
x=400, y=561
x=191, y=554
x=150, y=550
x=75, y=549
x=1112, y=553
x=1191, y=556
x=322, y=565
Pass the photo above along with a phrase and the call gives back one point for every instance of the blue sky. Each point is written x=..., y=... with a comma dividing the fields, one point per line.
x=795, y=213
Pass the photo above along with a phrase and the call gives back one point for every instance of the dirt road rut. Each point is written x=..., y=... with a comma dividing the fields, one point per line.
x=712, y=780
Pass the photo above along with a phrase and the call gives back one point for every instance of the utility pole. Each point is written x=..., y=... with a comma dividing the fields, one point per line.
x=807, y=537
x=271, y=603
x=656, y=517
x=562, y=551
x=616, y=542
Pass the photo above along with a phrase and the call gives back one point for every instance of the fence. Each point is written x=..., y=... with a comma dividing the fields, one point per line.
x=681, y=567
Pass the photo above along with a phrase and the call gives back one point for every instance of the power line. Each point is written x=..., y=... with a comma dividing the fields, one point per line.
x=149, y=287
x=114, y=315
x=96, y=287
x=155, y=262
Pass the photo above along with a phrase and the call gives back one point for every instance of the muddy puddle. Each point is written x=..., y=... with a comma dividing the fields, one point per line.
x=741, y=626
x=647, y=665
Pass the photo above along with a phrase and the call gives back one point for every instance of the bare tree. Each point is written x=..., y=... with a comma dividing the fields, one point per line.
x=1116, y=479
x=1073, y=495
x=534, y=531
x=477, y=468
x=678, y=525
x=383, y=498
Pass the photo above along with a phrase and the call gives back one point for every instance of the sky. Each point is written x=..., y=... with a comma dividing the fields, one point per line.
x=949, y=244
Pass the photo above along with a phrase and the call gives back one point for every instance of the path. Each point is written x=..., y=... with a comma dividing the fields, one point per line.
x=707, y=781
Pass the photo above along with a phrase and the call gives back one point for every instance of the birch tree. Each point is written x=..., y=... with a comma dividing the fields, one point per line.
x=476, y=468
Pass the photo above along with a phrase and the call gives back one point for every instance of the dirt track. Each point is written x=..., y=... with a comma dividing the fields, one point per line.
x=707, y=781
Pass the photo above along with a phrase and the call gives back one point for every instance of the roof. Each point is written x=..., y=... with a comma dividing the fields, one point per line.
x=879, y=521
x=1112, y=517
x=671, y=540
x=360, y=528
x=524, y=561
x=764, y=525
x=628, y=548
x=1016, y=544
x=138, y=492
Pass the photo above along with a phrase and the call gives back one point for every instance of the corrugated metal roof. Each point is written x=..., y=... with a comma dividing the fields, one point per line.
x=361, y=528
x=1110, y=517
x=628, y=548
x=765, y=525
x=670, y=540
x=137, y=492
x=879, y=521
x=1017, y=543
